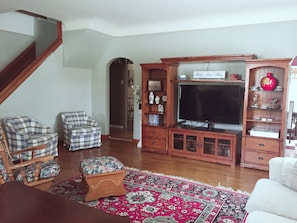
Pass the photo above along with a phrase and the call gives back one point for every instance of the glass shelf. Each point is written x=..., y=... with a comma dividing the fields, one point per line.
x=265, y=108
x=266, y=122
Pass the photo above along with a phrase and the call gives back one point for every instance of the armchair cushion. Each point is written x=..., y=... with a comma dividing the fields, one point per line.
x=48, y=170
x=81, y=131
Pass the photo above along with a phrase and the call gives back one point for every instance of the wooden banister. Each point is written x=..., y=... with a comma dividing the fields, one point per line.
x=15, y=73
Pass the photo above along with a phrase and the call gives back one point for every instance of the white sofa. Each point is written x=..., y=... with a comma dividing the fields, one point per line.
x=274, y=200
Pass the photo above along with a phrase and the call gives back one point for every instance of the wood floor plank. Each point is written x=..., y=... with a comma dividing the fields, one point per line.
x=214, y=174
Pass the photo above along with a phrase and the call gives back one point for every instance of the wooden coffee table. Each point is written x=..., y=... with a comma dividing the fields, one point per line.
x=23, y=204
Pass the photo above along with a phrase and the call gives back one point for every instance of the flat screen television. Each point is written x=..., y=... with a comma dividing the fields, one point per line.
x=211, y=103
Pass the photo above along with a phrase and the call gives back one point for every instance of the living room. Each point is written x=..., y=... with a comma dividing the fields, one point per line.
x=87, y=78
x=76, y=76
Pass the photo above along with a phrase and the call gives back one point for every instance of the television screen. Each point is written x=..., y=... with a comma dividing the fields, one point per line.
x=213, y=103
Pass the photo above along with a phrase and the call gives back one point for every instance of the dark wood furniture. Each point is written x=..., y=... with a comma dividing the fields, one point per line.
x=155, y=124
x=216, y=147
x=23, y=204
x=164, y=136
x=264, y=110
x=211, y=58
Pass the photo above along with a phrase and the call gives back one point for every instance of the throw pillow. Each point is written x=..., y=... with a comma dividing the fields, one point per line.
x=289, y=173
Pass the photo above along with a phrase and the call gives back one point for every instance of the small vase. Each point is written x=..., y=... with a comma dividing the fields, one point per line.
x=268, y=83
x=151, y=98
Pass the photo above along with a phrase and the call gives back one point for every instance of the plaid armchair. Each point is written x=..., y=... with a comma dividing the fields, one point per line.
x=24, y=132
x=81, y=131
x=38, y=172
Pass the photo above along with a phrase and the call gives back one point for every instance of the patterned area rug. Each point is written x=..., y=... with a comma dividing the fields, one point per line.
x=158, y=198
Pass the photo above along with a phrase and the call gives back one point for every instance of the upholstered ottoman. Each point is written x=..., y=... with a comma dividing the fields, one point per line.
x=103, y=177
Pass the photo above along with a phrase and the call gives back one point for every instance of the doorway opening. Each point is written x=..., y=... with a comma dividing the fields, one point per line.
x=121, y=99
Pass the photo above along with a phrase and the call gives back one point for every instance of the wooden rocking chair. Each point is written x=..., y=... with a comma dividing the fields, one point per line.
x=39, y=172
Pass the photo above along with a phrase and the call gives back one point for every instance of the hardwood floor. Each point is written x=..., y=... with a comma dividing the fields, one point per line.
x=124, y=134
x=214, y=174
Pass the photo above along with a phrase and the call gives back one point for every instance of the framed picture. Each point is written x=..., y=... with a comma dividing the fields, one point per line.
x=154, y=85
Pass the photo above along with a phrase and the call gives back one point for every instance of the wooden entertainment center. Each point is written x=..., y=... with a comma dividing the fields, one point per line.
x=265, y=114
x=218, y=147
x=162, y=134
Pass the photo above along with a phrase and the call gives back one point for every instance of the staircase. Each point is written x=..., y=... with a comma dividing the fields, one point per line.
x=20, y=68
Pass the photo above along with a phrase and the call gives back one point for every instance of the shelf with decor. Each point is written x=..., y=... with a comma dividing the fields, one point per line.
x=158, y=97
x=155, y=124
x=213, y=68
x=211, y=81
x=159, y=131
x=264, y=114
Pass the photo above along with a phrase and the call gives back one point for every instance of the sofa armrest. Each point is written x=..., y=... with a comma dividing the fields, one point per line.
x=275, y=168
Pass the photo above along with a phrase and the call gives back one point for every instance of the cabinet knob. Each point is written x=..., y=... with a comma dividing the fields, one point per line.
x=261, y=144
x=260, y=158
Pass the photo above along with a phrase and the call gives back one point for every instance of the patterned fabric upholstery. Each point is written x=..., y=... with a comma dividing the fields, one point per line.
x=103, y=164
x=3, y=173
x=50, y=169
x=81, y=131
x=24, y=132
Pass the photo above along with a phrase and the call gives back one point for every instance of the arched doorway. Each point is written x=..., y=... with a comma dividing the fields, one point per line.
x=121, y=99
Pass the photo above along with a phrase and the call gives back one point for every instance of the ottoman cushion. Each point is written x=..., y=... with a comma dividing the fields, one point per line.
x=103, y=164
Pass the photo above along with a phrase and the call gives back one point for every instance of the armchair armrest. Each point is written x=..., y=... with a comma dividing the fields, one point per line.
x=31, y=149
x=68, y=123
x=36, y=161
x=38, y=128
x=91, y=121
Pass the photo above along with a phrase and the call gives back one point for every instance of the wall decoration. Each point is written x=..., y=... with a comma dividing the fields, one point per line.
x=154, y=85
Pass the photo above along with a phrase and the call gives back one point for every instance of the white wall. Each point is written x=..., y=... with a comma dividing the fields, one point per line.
x=50, y=90
x=17, y=22
x=72, y=88
x=266, y=41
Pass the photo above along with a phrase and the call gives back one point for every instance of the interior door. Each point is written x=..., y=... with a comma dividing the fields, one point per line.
x=118, y=93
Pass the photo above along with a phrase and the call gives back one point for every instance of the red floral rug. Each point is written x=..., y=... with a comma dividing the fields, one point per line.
x=158, y=198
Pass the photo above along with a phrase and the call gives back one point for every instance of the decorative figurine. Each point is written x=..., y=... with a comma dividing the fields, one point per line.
x=160, y=108
x=274, y=103
x=255, y=100
x=151, y=98
x=157, y=100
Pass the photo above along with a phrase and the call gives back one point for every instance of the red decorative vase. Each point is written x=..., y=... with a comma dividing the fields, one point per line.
x=268, y=83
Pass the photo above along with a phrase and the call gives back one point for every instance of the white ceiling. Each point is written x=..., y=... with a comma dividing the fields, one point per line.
x=136, y=17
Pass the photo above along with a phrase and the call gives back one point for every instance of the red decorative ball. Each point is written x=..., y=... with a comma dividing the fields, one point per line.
x=268, y=83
